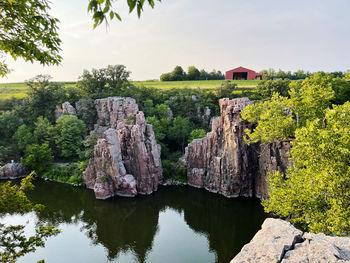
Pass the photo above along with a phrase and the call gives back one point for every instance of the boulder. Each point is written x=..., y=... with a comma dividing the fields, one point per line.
x=279, y=241
x=126, y=158
x=12, y=171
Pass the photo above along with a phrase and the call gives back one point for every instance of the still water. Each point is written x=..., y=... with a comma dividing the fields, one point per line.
x=175, y=224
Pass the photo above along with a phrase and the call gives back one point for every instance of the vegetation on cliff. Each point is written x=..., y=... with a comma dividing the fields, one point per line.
x=315, y=191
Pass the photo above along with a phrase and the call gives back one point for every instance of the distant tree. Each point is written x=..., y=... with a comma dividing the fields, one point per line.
x=178, y=73
x=337, y=74
x=148, y=107
x=266, y=88
x=203, y=75
x=23, y=136
x=193, y=73
x=225, y=89
x=167, y=77
x=69, y=131
x=196, y=134
x=158, y=128
x=162, y=111
x=38, y=157
x=103, y=82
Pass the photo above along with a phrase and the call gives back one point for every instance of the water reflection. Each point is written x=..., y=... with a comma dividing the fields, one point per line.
x=176, y=224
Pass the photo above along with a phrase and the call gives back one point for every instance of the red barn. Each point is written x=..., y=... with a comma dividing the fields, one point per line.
x=242, y=73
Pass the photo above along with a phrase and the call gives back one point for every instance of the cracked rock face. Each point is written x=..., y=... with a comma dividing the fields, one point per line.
x=126, y=158
x=279, y=241
x=223, y=163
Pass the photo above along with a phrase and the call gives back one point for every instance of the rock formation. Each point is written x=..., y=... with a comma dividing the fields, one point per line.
x=223, y=163
x=126, y=158
x=12, y=171
x=66, y=108
x=279, y=241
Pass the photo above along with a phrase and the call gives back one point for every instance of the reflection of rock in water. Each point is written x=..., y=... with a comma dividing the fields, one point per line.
x=122, y=224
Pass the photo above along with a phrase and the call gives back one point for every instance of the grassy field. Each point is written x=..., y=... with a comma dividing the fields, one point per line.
x=18, y=90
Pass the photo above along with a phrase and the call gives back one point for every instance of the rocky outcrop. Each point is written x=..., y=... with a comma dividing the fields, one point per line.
x=223, y=163
x=279, y=241
x=66, y=108
x=12, y=171
x=126, y=158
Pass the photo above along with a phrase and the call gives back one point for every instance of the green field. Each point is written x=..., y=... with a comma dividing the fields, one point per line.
x=18, y=90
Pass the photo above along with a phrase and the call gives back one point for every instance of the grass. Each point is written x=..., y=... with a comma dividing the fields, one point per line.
x=19, y=90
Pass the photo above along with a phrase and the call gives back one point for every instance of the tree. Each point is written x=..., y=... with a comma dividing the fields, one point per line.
x=27, y=30
x=225, y=89
x=43, y=131
x=180, y=130
x=278, y=118
x=13, y=242
x=103, y=82
x=196, y=134
x=38, y=157
x=167, y=77
x=266, y=88
x=69, y=131
x=315, y=191
x=178, y=74
x=193, y=73
x=23, y=136
x=89, y=144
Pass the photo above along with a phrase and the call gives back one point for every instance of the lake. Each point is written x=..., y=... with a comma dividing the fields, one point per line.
x=175, y=224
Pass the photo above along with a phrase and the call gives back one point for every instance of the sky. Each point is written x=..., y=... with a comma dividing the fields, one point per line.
x=312, y=35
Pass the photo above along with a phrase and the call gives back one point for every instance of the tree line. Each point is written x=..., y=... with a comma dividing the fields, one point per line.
x=178, y=74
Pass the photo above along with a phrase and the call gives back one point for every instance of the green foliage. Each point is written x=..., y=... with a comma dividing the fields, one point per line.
x=178, y=74
x=271, y=74
x=72, y=174
x=102, y=10
x=180, y=130
x=278, y=118
x=89, y=143
x=193, y=73
x=13, y=242
x=23, y=137
x=9, y=123
x=225, y=89
x=275, y=122
x=43, y=131
x=38, y=157
x=69, y=131
x=266, y=88
x=130, y=120
x=315, y=192
x=86, y=111
x=196, y=134
x=28, y=31
x=43, y=97
x=160, y=127
x=103, y=82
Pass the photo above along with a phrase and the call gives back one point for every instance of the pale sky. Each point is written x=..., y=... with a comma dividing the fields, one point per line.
x=222, y=34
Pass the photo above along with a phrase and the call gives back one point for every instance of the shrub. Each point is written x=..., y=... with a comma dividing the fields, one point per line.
x=38, y=157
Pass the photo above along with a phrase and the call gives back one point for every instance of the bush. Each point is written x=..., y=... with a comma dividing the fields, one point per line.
x=196, y=134
x=72, y=174
x=38, y=157
x=225, y=89
x=266, y=88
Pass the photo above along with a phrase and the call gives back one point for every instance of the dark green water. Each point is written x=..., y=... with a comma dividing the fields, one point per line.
x=175, y=224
